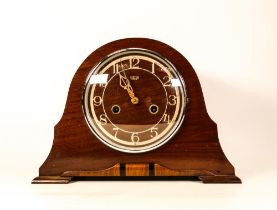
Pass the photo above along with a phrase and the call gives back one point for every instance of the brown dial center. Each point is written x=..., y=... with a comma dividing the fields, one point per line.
x=148, y=88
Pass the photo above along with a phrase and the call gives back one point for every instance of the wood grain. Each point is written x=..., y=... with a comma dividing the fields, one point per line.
x=112, y=171
x=137, y=169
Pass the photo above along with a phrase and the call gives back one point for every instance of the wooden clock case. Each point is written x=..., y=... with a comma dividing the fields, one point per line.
x=194, y=151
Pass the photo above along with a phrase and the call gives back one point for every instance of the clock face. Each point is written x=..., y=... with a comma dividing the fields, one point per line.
x=134, y=100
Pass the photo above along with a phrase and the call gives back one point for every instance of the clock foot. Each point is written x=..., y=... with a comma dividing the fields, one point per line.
x=232, y=179
x=51, y=180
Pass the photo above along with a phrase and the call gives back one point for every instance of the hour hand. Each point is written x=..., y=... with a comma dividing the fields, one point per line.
x=123, y=81
x=125, y=84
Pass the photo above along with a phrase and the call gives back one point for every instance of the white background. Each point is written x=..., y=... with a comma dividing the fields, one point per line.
x=232, y=45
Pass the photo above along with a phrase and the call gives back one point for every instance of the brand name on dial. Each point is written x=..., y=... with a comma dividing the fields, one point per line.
x=134, y=77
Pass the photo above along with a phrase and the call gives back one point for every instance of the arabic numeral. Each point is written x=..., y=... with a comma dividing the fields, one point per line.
x=115, y=68
x=102, y=119
x=97, y=101
x=154, y=132
x=116, y=131
x=134, y=63
x=135, y=138
x=166, y=81
x=153, y=68
x=102, y=85
x=172, y=100
x=166, y=118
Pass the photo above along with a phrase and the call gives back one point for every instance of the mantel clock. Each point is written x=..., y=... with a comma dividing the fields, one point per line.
x=135, y=110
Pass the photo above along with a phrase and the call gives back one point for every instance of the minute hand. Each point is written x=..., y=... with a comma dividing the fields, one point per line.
x=125, y=84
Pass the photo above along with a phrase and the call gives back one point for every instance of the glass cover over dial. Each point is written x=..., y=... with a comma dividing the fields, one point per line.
x=134, y=100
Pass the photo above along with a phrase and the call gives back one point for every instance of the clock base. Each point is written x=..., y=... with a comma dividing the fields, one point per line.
x=51, y=180
x=136, y=172
x=231, y=179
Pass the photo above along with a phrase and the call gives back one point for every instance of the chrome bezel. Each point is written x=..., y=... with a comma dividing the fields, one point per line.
x=112, y=56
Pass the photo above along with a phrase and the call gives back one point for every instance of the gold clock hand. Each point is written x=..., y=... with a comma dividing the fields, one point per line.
x=123, y=81
x=125, y=84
